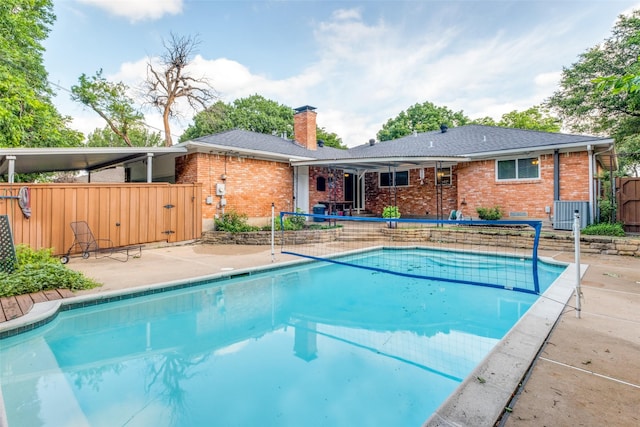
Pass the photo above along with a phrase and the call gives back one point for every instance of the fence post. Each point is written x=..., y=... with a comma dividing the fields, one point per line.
x=576, y=237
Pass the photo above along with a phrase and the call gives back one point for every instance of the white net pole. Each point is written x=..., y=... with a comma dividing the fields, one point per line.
x=273, y=232
x=576, y=237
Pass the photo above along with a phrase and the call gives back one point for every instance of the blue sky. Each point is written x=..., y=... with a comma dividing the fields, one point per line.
x=358, y=62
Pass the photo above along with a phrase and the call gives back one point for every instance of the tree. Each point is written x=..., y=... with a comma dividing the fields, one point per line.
x=581, y=103
x=330, y=139
x=170, y=81
x=110, y=101
x=254, y=113
x=138, y=137
x=421, y=118
x=27, y=115
x=534, y=118
x=599, y=93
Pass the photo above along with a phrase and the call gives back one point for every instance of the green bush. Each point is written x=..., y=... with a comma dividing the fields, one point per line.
x=39, y=271
x=234, y=222
x=390, y=212
x=489, y=214
x=604, y=229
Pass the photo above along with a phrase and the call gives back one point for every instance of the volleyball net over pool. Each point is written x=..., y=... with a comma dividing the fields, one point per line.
x=499, y=254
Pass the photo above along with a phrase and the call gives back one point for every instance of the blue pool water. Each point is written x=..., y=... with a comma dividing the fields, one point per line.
x=314, y=345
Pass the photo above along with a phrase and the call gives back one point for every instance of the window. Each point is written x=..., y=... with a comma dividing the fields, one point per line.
x=527, y=168
x=389, y=179
x=321, y=184
x=443, y=176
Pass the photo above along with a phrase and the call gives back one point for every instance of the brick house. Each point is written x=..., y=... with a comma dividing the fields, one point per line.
x=428, y=174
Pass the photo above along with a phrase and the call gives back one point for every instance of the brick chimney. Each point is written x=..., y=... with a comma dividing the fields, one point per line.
x=304, y=127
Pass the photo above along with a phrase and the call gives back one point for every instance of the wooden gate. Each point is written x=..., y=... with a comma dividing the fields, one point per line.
x=127, y=214
x=628, y=201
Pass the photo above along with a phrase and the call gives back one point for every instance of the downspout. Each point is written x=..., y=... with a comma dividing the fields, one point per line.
x=592, y=205
x=556, y=175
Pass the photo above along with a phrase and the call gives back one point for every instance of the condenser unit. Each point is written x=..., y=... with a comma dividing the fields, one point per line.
x=563, y=214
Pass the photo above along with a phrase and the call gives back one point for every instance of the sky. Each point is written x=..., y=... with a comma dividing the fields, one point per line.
x=360, y=63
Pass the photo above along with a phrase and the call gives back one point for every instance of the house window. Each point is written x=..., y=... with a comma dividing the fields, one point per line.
x=443, y=176
x=390, y=179
x=527, y=168
x=321, y=184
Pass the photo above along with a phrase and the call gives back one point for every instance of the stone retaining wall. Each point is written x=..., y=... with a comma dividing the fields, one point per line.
x=264, y=237
x=561, y=242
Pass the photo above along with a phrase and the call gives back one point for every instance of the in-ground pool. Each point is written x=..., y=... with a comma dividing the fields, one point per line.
x=317, y=344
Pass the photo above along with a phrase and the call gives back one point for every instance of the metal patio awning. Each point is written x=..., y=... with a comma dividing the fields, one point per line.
x=38, y=160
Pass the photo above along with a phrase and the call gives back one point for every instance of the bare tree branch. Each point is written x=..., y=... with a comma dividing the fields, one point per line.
x=170, y=81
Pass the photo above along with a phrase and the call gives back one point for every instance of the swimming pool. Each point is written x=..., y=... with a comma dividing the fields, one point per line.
x=316, y=344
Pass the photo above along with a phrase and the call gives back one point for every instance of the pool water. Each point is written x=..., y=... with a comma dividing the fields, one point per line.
x=314, y=345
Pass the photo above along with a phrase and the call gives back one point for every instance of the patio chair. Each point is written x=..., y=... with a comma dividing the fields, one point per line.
x=85, y=241
x=7, y=249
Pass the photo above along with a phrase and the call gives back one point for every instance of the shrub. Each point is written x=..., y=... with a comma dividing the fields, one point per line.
x=390, y=212
x=489, y=214
x=234, y=222
x=39, y=271
x=604, y=229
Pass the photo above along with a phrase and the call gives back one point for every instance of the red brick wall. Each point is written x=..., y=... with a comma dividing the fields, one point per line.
x=251, y=185
x=331, y=193
x=478, y=187
x=417, y=199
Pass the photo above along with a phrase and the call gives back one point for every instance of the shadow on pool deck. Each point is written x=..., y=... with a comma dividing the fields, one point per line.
x=587, y=373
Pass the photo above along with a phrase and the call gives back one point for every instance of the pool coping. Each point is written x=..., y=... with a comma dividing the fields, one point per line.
x=500, y=373
x=461, y=408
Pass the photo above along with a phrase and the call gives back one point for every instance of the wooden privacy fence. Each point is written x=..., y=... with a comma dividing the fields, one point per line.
x=628, y=201
x=127, y=214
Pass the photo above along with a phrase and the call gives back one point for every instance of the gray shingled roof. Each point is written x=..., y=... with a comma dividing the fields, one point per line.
x=463, y=141
x=247, y=140
x=470, y=140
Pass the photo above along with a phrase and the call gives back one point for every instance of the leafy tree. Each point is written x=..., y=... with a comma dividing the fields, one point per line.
x=170, y=81
x=421, y=118
x=581, y=102
x=534, y=118
x=110, y=101
x=599, y=93
x=27, y=115
x=138, y=137
x=485, y=121
x=254, y=113
x=330, y=139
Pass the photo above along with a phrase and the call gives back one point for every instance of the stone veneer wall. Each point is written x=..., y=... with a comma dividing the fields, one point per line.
x=519, y=239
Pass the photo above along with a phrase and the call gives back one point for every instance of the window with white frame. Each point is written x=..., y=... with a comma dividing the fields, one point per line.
x=523, y=168
x=391, y=179
x=443, y=176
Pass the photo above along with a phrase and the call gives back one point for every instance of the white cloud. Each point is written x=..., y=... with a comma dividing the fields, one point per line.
x=368, y=71
x=138, y=10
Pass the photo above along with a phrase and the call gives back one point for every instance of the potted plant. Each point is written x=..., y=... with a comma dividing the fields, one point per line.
x=391, y=212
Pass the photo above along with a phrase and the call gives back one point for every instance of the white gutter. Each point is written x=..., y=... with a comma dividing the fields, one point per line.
x=562, y=147
x=226, y=149
x=89, y=150
x=351, y=161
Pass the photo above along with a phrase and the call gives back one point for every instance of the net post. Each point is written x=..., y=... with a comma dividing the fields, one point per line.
x=576, y=243
x=534, y=261
x=273, y=232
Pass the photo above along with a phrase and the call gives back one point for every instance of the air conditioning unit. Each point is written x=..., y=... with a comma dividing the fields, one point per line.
x=563, y=214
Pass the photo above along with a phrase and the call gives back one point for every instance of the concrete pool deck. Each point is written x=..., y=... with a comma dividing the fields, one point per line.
x=587, y=372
